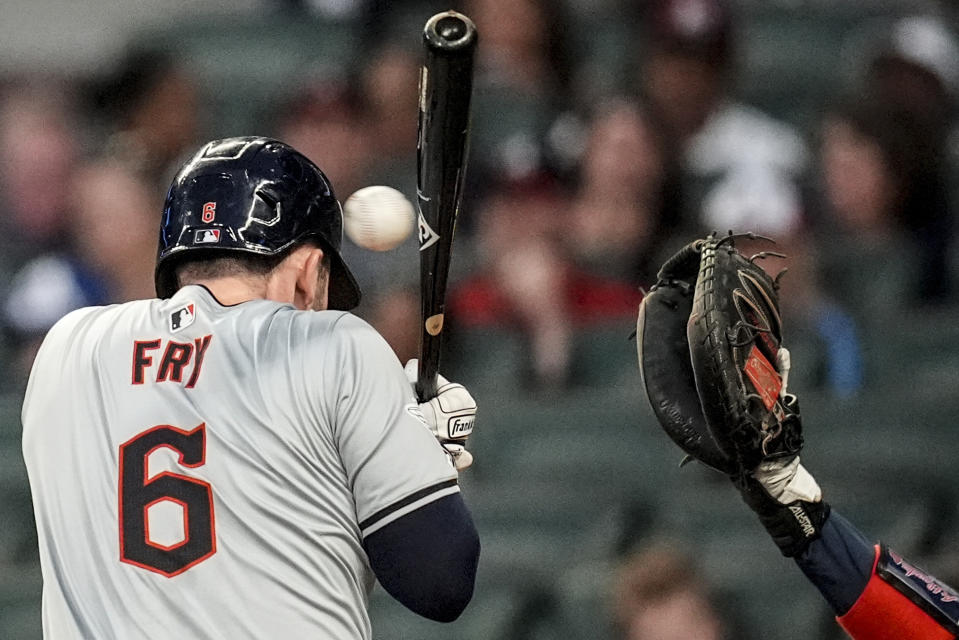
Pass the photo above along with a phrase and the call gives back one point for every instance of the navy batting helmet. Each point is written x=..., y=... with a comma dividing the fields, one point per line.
x=253, y=195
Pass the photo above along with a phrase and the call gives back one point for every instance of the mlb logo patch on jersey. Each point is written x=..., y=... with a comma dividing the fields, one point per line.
x=206, y=236
x=182, y=317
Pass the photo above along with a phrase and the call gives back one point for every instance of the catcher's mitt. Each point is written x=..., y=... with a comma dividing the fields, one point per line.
x=735, y=344
x=710, y=352
x=665, y=365
x=709, y=336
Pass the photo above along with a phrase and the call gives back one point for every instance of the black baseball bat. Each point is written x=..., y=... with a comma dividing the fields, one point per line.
x=446, y=85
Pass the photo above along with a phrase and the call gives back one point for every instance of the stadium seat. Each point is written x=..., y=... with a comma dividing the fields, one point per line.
x=605, y=356
x=10, y=417
x=20, y=587
x=920, y=345
x=487, y=359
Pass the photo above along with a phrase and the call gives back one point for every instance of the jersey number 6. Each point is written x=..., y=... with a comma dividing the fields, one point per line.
x=139, y=492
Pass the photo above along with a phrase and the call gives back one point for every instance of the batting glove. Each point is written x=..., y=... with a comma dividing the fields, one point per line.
x=450, y=416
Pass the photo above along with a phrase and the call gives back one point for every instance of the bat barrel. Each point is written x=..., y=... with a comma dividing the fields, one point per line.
x=446, y=83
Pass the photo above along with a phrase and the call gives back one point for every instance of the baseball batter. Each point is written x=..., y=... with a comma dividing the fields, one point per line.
x=241, y=457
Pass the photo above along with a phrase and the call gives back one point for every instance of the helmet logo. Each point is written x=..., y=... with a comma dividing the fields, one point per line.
x=209, y=212
x=206, y=236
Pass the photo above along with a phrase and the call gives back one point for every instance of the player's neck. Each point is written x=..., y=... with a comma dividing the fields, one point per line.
x=232, y=290
x=278, y=287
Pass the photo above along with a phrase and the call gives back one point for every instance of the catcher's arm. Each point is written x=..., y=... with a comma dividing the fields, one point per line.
x=747, y=425
x=742, y=370
x=875, y=593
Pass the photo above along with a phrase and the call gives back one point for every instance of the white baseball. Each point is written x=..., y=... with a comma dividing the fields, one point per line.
x=377, y=218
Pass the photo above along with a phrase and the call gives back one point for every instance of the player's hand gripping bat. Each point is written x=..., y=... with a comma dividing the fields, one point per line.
x=446, y=84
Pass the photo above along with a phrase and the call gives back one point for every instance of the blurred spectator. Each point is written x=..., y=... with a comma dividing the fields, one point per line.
x=686, y=72
x=116, y=213
x=324, y=121
x=754, y=198
x=523, y=45
x=43, y=291
x=390, y=279
x=522, y=82
x=109, y=259
x=884, y=180
x=528, y=280
x=391, y=100
x=915, y=67
x=820, y=330
x=153, y=110
x=38, y=148
x=619, y=213
x=659, y=595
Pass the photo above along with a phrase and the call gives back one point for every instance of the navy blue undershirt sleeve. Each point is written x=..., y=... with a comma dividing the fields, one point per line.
x=839, y=563
x=427, y=559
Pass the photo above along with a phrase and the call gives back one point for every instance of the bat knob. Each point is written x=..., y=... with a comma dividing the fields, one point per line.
x=451, y=28
x=450, y=31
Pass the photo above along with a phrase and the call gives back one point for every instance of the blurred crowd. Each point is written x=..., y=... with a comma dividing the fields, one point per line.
x=584, y=176
x=659, y=594
x=581, y=179
x=578, y=187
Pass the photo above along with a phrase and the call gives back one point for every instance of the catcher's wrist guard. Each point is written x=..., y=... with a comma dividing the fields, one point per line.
x=793, y=526
x=904, y=602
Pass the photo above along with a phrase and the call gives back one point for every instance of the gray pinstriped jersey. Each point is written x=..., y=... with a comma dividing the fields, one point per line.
x=201, y=471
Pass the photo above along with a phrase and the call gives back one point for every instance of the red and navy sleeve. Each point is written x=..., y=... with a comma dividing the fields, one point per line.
x=876, y=594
